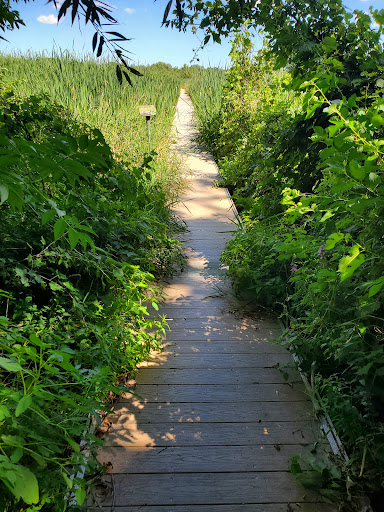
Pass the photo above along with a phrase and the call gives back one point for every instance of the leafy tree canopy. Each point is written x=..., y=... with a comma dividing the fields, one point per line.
x=298, y=31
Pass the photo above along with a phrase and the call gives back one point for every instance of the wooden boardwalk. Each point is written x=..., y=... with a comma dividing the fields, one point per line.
x=216, y=422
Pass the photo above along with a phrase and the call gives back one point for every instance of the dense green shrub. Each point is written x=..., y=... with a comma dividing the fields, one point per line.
x=82, y=236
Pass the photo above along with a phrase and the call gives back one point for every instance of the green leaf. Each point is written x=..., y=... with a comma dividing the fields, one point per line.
x=356, y=171
x=295, y=467
x=22, y=273
x=13, y=440
x=60, y=213
x=23, y=405
x=82, y=227
x=365, y=369
x=333, y=240
x=327, y=215
x=9, y=365
x=377, y=120
x=17, y=455
x=380, y=83
x=59, y=228
x=349, y=264
x=74, y=445
x=3, y=193
x=83, y=142
x=80, y=495
x=376, y=287
x=4, y=412
x=7, y=473
x=67, y=480
x=335, y=128
x=86, y=239
x=73, y=237
x=73, y=167
x=329, y=43
x=55, y=287
x=47, y=216
x=36, y=341
x=38, y=458
x=26, y=486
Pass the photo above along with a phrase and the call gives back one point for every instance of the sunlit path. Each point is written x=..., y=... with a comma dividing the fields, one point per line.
x=219, y=412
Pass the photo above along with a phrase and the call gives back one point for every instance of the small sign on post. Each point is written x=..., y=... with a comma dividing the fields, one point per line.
x=148, y=111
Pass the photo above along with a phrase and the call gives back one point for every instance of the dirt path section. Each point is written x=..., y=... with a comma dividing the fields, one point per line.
x=217, y=420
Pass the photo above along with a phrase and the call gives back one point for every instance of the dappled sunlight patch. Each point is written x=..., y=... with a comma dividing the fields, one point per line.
x=169, y=437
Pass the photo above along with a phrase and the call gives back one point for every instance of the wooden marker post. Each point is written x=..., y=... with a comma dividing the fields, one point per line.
x=148, y=111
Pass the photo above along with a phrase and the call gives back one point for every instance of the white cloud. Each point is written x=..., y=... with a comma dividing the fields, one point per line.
x=129, y=10
x=51, y=19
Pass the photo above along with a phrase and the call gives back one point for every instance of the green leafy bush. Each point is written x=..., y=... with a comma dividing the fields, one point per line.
x=83, y=236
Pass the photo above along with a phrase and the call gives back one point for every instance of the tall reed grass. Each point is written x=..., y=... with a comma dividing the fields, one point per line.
x=205, y=86
x=90, y=90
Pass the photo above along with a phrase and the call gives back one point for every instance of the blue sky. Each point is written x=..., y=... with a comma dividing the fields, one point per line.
x=139, y=19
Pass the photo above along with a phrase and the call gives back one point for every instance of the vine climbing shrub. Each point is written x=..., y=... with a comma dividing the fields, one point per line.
x=83, y=237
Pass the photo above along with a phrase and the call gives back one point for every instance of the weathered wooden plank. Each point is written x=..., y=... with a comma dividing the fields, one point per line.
x=219, y=393
x=218, y=235
x=207, y=434
x=218, y=227
x=273, y=507
x=195, y=280
x=257, y=346
x=184, y=290
x=199, y=188
x=216, y=488
x=199, y=459
x=220, y=216
x=209, y=229
x=224, y=412
x=216, y=376
x=196, y=310
x=197, y=212
x=218, y=323
x=225, y=334
x=213, y=255
x=191, y=249
x=200, y=206
x=193, y=302
x=223, y=223
x=201, y=266
x=170, y=360
x=196, y=246
x=212, y=258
